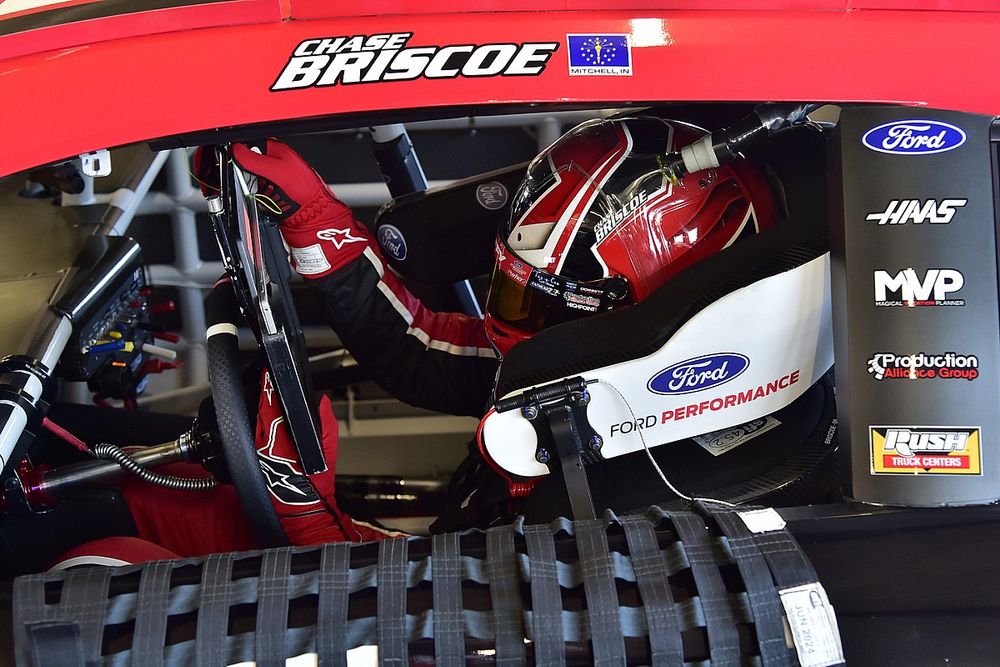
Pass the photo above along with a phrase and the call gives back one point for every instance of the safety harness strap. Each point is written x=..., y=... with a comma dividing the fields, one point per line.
x=810, y=617
x=788, y=563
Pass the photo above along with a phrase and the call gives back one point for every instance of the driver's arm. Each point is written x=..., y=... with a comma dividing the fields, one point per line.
x=440, y=361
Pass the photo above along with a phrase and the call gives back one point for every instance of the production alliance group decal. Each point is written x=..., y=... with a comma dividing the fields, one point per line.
x=353, y=59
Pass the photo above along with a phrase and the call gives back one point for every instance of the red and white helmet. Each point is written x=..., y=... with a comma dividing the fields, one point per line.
x=596, y=224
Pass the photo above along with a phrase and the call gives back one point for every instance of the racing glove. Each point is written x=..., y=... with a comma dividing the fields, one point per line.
x=320, y=230
x=305, y=504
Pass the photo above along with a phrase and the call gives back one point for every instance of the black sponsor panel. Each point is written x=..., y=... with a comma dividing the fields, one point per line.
x=447, y=234
x=913, y=231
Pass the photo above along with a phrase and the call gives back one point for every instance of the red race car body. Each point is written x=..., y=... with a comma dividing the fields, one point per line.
x=80, y=76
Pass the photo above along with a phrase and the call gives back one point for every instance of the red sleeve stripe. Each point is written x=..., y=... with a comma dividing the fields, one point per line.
x=455, y=334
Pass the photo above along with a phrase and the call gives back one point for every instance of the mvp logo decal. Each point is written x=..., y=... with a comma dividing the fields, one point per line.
x=908, y=288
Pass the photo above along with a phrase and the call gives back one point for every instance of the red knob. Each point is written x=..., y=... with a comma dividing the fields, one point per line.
x=162, y=307
x=169, y=337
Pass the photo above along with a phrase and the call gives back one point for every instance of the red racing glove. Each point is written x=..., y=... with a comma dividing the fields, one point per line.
x=305, y=504
x=320, y=230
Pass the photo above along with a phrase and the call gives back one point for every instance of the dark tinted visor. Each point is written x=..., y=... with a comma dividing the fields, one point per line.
x=530, y=300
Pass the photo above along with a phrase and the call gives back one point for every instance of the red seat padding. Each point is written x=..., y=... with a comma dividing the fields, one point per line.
x=112, y=551
x=189, y=523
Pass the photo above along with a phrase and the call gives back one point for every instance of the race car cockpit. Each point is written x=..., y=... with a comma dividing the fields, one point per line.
x=597, y=418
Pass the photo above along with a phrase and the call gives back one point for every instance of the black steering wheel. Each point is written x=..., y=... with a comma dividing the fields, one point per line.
x=235, y=431
x=256, y=261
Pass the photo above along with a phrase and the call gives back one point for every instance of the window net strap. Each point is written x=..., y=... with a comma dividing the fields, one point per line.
x=213, y=610
x=151, y=615
x=723, y=638
x=608, y=644
x=331, y=615
x=546, y=599
x=391, y=623
x=272, y=608
x=607, y=591
x=652, y=577
x=449, y=623
x=505, y=595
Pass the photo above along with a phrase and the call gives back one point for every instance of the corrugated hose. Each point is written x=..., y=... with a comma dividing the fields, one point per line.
x=109, y=452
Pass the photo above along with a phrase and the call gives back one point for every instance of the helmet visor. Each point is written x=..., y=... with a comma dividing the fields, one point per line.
x=529, y=299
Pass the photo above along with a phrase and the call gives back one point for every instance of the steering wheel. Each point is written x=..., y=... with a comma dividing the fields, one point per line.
x=256, y=261
x=235, y=431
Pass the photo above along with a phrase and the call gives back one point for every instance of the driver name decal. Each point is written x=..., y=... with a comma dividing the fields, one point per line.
x=346, y=60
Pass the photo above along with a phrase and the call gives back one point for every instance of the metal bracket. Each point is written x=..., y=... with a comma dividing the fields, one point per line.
x=558, y=413
x=96, y=164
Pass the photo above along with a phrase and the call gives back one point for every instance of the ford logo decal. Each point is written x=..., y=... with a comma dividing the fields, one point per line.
x=914, y=137
x=699, y=373
x=392, y=242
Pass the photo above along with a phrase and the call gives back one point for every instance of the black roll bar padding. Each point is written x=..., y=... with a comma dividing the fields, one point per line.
x=235, y=431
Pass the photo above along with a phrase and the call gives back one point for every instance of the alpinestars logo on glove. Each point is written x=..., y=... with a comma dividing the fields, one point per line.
x=346, y=60
x=339, y=237
x=284, y=481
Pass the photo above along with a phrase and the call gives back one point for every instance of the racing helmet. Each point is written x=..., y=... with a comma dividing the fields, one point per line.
x=597, y=224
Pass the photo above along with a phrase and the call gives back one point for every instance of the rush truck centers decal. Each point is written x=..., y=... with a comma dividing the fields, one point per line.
x=902, y=211
x=914, y=137
x=925, y=450
x=345, y=60
x=907, y=288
